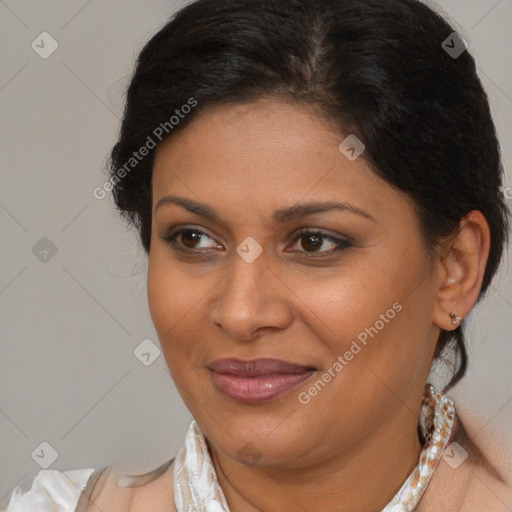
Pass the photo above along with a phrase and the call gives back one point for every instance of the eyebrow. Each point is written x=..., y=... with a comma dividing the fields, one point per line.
x=280, y=216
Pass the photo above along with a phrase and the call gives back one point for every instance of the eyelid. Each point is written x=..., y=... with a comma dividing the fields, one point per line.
x=325, y=233
x=300, y=231
x=173, y=232
x=342, y=241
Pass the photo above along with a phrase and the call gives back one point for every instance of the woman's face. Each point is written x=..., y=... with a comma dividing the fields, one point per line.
x=293, y=329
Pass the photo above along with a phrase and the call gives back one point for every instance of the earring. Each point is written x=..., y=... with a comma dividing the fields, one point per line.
x=455, y=319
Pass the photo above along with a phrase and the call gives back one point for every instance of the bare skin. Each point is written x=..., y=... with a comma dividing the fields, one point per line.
x=472, y=487
x=352, y=446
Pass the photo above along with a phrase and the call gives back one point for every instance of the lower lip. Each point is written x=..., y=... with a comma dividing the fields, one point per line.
x=263, y=388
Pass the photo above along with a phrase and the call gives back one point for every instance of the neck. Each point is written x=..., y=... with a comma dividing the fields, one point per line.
x=364, y=477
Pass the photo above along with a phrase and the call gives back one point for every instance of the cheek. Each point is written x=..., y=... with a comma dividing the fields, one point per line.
x=162, y=287
x=177, y=302
x=172, y=292
x=376, y=311
x=349, y=300
x=170, y=298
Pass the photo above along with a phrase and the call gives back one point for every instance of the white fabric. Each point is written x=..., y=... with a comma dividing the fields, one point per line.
x=196, y=487
x=51, y=491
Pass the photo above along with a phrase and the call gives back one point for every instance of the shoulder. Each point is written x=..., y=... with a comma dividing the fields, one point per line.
x=111, y=491
x=51, y=491
x=471, y=476
x=93, y=489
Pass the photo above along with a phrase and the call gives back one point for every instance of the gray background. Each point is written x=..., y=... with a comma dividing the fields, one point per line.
x=70, y=325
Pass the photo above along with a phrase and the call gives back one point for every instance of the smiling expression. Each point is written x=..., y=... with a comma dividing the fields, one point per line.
x=271, y=253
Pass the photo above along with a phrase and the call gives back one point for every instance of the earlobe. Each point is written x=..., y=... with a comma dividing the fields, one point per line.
x=461, y=269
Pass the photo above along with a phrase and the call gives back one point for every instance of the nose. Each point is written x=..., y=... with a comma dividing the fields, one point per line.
x=252, y=299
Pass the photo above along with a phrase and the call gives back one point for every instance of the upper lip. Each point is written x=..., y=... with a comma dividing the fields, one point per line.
x=256, y=367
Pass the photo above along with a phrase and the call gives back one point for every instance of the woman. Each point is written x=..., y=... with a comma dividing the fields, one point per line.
x=317, y=184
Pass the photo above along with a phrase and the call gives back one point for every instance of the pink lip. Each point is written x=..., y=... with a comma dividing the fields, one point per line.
x=257, y=380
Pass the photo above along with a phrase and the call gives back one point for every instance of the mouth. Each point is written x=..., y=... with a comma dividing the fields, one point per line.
x=257, y=380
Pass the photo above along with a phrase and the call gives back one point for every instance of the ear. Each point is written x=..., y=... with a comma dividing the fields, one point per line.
x=461, y=265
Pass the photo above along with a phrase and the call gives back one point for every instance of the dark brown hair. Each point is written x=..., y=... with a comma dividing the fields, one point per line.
x=376, y=68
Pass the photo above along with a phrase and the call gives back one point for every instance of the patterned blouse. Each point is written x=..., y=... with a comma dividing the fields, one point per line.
x=196, y=488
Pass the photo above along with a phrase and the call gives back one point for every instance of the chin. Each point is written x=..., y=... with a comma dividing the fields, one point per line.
x=257, y=437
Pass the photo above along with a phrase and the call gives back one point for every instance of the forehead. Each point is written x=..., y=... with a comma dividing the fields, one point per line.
x=262, y=155
x=268, y=126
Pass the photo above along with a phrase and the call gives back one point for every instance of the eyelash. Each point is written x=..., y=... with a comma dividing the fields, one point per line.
x=342, y=244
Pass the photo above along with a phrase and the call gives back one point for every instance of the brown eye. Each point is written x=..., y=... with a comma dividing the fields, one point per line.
x=312, y=241
x=189, y=238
